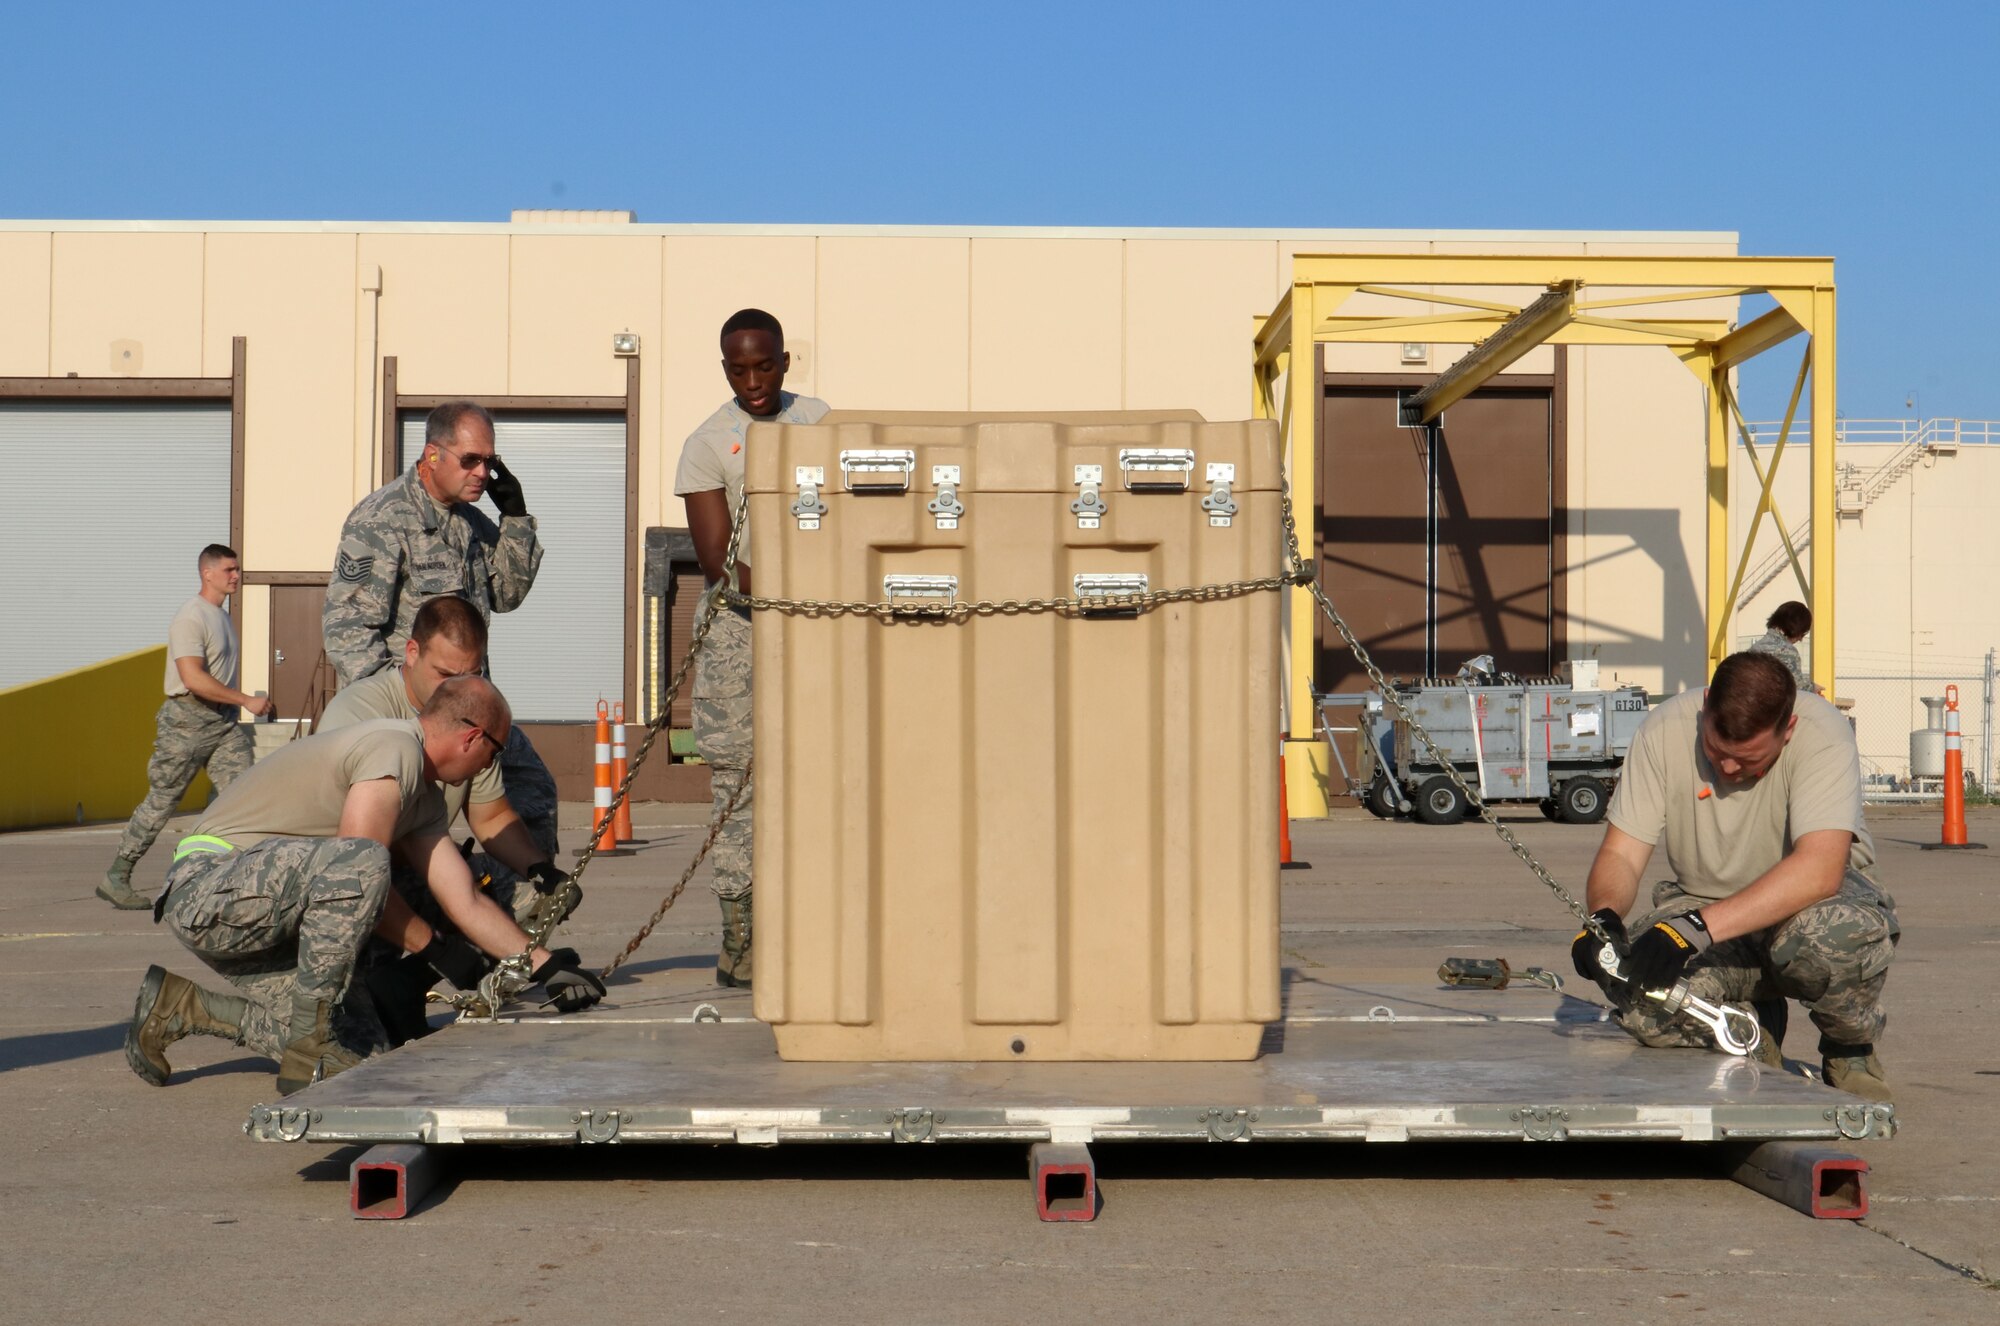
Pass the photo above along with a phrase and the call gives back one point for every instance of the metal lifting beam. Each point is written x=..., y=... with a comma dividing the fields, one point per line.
x=1518, y=335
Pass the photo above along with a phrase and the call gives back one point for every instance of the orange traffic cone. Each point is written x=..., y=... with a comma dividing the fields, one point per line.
x=600, y=820
x=1285, y=861
x=1954, y=779
x=621, y=823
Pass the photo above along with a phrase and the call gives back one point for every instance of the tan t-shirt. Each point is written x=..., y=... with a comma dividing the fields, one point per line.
x=1723, y=841
x=712, y=457
x=301, y=791
x=202, y=630
x=383, y=695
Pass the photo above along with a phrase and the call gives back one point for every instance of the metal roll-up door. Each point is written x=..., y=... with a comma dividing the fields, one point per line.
x=563, y=648
x=104, y=508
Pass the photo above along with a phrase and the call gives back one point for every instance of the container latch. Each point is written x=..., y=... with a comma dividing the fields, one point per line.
x=810, y=479
x=877, y=471
x=1113, y=587
x=1089, y=504
x=945, y=506
x=1169, y=469
x=920, y=588
x=1221, y=507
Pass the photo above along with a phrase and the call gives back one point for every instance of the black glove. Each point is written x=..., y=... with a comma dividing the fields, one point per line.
x=547, y=877
x=1583, y=951
x=398, y=989
x=505, y=490
x=1660, y=954
x=570, y=988
x=455, y=959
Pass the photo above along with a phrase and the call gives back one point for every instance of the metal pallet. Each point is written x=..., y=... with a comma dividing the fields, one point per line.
x=1348, y=1064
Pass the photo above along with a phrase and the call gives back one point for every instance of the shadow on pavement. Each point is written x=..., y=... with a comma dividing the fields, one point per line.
x=685, y=962
x=54, y=1047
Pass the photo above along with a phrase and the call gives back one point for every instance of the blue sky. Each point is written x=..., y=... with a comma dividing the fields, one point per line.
x=1862, y=131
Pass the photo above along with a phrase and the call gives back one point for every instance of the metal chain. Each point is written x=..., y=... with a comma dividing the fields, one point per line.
x=1389, y=693
x=511, y=975
x=1590, y=923
x=714, y=830
x=962, y=610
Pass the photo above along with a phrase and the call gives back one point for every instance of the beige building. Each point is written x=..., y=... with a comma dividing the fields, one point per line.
x=163, y=384
x=1915, y=545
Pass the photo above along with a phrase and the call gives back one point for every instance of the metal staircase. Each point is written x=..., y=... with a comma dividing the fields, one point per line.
x=1857, y=491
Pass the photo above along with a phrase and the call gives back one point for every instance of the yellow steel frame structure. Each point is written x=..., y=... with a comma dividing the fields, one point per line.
x=1314, y=311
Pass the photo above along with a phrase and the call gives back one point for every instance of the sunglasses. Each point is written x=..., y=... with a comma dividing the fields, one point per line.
x=489, y=462
x=497, y=747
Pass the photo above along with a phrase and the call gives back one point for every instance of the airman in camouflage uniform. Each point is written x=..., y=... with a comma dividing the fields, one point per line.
x=1753, y=787
x=710, y=478
x=720, y=708
x=1786, y=626
x=421, y=536
x=192, y=730
x=448, y=639
x=287, y=876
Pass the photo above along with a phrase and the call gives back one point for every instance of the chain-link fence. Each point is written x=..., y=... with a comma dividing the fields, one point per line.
x=1901, y=737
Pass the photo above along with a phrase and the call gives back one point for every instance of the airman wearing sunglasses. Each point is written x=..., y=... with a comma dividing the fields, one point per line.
x=420, y=536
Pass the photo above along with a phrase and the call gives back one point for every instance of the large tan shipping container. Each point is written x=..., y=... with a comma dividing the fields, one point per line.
x=1018, y=835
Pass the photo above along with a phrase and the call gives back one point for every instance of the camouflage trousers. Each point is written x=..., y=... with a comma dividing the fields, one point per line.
x=1833, y=958
x=531, y=791
x=187, y=735
x=285, y=915
x=721, y=708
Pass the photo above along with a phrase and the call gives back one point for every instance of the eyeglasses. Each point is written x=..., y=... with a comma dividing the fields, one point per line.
x=470, y=463
x=498, y=749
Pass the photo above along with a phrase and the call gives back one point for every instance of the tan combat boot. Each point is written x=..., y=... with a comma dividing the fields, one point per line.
x=1772, y=1017
x=1855, y=1070
x=117, y=887
x=312, y=1053
x=733, y=968
x=169, y=1008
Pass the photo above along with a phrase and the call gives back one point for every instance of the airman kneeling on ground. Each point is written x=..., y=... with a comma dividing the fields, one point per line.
x=288, y=873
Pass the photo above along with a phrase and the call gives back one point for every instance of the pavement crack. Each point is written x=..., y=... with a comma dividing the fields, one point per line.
x=1972, y=1273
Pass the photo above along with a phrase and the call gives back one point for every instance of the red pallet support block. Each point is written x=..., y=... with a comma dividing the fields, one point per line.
x=1816, y=1180
x=387, y=1182
x=1065, y=1179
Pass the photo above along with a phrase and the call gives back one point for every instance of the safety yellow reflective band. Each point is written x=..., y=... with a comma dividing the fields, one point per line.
x=201, y=842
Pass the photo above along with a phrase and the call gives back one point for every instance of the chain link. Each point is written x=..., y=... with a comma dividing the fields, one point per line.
x=1472, y=798
x=707, y=844
x=962, y=610
x=512, y=974
x=1390, y=694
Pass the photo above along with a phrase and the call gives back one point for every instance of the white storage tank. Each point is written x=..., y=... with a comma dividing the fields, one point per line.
x=1927, y=743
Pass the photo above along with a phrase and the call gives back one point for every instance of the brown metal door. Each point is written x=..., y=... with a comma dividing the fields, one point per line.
x=1436, y=544
x=1374, y=555
x=1493, y=588
x=302, y=680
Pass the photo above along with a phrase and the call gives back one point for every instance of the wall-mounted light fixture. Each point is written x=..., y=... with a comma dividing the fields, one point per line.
x=1416, y=352
x=625, y=344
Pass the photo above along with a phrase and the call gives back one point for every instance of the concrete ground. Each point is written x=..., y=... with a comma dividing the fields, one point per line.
x=120, y=1201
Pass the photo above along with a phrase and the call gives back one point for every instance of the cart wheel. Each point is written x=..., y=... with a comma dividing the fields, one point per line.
x=1439, y=801
x=1382, y=799
x=1583, y=801
x=1550, y=810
